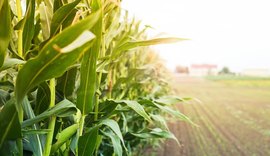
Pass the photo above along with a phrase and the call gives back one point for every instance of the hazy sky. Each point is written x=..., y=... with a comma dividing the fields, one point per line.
x=235, y=33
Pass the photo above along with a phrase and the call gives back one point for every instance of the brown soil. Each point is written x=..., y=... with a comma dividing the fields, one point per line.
x=229, y=121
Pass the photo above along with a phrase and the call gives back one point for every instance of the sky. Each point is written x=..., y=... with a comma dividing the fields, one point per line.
x=232, y=33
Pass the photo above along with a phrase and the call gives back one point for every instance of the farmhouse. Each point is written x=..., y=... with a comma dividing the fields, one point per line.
x=203, y=69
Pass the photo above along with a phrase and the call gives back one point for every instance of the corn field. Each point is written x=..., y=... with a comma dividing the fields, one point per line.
x=78, y=78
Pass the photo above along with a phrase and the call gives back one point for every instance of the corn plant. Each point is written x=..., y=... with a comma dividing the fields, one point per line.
x=77, y=78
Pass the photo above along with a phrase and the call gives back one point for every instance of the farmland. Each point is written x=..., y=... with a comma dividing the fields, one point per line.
x=232, y=117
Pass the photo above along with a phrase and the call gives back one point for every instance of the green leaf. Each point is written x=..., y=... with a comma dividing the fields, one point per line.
x=60, y=16
x=175, y=113
x=42, y=98
x=160, y=120
x=35, y=141
x=64, y=136
x=114, y=127
x=10, y=127
x=45, y=20
x=9, y=148
x=62, y=109
x=86, y=92
x=169, y=100
x=56, y=56
x=5, y=29
x=87, y=142
x=117, y=148
x=1, y=4
x=35, y=131
x=57, y=5
x=106, y=108
x=66, y=83
x=28, y=31
x=4, y=96
x=134, y=44
x=10, y=62
x=156, y=133
x=138, y=108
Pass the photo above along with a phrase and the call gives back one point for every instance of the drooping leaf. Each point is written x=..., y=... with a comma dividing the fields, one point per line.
x=62, y=109
x=114, y=127
x=160, y=120
x=63, y=137
x=156, y=133
x=169, y=100
x=10, y=127
x=174, y=113
x=5, y=29
x=60, y=16
x=138, y=108
x=56, y=56
x=87, y=142
x=117, y=148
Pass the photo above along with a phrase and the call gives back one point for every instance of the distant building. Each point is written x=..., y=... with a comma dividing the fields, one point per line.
x=182, y=70
x=256, y=72
x=203, y=69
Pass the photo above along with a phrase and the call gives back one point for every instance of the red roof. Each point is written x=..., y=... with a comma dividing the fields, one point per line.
x=205, y=66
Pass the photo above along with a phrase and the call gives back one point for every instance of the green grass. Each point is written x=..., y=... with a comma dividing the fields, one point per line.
x=244, y=81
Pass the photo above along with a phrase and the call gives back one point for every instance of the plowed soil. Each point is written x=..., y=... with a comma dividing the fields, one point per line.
x=233, y=120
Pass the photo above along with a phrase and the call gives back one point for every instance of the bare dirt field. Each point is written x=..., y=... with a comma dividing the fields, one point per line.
x=232, y=119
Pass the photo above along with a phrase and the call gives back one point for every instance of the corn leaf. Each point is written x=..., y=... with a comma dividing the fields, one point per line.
x=5, y=29
x=1, y=4
x=169, y=100
x=175, y=113
x=34, y=131
x=66, y=83
x=134, y=44
x=63, y=137
x=28, y=31
x=87, y=142
x=56, y=56
x=45, y=20
x=9, y=148
x=87, y=89
x=117, y=148
x=138, y=108
x=35, y=141
x=62, y=109
x=43, y=100
x=156, y=133
x=10, y=62
x=114, y=127
x=60, y=16
x=10, y=127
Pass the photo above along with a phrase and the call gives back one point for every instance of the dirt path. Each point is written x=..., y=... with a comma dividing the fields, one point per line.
x=233, y=120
